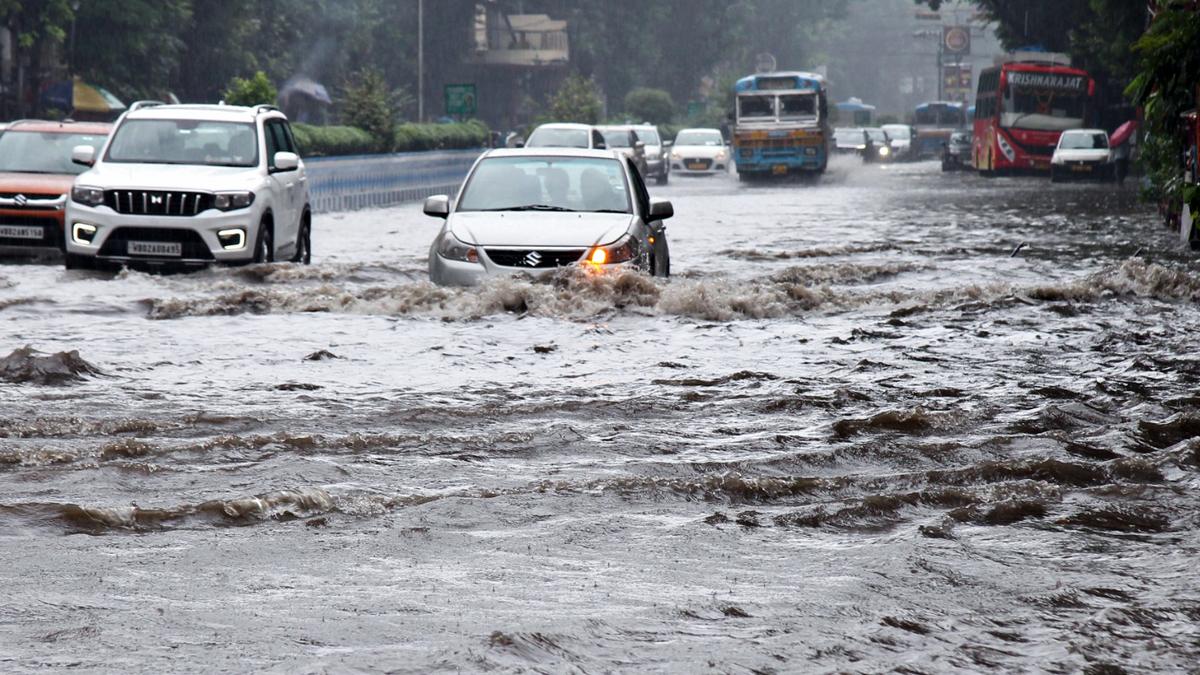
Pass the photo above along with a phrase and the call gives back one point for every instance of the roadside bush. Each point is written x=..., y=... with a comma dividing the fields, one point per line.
x=650, y=105
x=317, y=141
x=257, y=90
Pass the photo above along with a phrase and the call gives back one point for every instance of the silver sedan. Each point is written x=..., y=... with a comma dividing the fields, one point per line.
x=534, y=210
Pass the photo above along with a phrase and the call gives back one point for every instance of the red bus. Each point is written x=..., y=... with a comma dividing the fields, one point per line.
x=1021, y=109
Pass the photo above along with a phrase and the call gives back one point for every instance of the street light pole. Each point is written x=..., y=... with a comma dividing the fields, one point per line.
x=420, y=60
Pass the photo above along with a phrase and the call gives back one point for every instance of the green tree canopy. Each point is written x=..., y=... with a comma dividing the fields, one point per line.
x=576, y=101
x=257, y=90
x=650, y=105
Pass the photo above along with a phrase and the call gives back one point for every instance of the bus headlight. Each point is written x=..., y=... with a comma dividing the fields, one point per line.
x=1007, y=149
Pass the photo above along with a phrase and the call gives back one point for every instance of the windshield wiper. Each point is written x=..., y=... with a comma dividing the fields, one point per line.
x=608, y=211
x=533, y=207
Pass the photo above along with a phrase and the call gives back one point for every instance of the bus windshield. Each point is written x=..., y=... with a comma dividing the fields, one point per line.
x=756, y=106
x=1042, y=109
x=792, y=106
x=939, y=115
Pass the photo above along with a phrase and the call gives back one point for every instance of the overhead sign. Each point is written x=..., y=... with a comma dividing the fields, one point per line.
x=956, y=40
x=460, y=100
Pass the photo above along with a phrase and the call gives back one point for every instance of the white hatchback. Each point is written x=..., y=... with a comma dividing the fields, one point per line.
x=191, y=185
x=1082, y=153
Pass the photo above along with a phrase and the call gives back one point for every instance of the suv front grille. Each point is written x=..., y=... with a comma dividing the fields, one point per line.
x=157, y=203
x=193, y=245
x=534, y=259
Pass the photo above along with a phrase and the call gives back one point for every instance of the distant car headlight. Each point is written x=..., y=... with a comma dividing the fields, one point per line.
x=676, y=155
x=885, y=151
x=88, y=196
x=721, y=156
x=623, y=250
x=231, y=201
x=451, y=248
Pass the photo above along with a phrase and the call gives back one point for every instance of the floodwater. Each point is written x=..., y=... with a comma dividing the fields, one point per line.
x=855, y=432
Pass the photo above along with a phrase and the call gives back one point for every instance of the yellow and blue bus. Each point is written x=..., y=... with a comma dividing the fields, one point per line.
x=781, y=125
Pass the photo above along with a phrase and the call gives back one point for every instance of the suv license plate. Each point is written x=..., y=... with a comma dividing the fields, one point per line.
x=171, y=248
x=21, y=232
x=1082, y=167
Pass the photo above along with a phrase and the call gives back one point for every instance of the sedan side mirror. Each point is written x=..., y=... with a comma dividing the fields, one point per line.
x=661, y=209
x=287, y=161
x=84, y=155
x=667, y=144
x=639, y=146
x=437, y=206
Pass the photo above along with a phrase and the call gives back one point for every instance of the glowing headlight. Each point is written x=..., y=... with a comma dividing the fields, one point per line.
x=232, y=240
x=885, y=151
x=230, y=201
x=623, y=250
x=451, y=248
x=88, y=196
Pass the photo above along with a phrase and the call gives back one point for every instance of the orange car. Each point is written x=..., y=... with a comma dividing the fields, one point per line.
x=36, y=173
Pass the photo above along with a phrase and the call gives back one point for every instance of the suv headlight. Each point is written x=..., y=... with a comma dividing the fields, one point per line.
x=622, y=250
x=231, y=201
x=88, y=196
x=451, y=248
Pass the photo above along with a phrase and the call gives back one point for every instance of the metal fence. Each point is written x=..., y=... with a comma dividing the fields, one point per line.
x=373, y=181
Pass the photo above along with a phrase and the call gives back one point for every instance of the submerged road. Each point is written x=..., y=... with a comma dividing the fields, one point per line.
x=854, y=432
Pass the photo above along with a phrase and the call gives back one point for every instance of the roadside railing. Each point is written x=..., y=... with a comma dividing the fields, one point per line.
x=374, y=181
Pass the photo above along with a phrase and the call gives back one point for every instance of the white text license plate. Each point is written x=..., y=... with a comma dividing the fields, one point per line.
x=171, y=248
x=20, y=232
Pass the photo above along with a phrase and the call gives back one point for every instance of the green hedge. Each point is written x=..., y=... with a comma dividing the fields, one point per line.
x=317, y=141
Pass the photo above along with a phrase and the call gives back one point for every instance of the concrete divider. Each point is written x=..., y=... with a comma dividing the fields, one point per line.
x=372, y=181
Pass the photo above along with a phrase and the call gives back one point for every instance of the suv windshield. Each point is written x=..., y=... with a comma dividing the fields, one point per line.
x=616, y=139
x=185, y=142
x=648, y=136
x=699, y=138
x=43, y=152
x=546, y=184
x=558, y=138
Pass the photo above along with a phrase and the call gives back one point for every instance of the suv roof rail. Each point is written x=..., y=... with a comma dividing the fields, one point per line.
x=138, y=105
x=262, y=108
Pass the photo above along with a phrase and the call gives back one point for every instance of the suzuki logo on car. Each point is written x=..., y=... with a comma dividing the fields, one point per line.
x=21, y=200
x=532, y=259
x=156, y=200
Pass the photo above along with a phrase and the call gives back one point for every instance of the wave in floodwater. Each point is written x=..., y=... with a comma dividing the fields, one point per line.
x=578, y=293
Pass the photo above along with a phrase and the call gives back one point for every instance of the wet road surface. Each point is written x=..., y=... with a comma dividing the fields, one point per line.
x=854, y=432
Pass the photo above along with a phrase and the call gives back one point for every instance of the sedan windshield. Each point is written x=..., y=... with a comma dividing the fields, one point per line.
x=1084, y=142
x=898, y=132
x=185, y=142
x=37, y=152
x=709, y=138
x=546, y=184
x=558, y=138
x=877, y=135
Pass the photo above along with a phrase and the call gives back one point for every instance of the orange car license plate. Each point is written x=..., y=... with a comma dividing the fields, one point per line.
x=779, y=169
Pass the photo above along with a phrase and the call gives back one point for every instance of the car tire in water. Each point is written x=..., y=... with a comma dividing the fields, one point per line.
x=264, y=246
x=73, y=261
x=303, y=254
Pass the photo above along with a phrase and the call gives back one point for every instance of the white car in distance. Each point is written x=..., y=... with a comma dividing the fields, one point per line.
x=700, y=152
x=1082, y=153
x=190, y=185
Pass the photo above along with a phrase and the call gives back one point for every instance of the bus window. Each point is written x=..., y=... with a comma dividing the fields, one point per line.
x=756, y=106
x=797, y=105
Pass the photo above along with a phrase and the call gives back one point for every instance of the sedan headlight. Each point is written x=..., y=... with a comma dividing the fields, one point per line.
x=88, y=196
x=623, y=250
x=885, y=151
x=231, y=201
x=676, y=156
x=721, y=156
x=451, y=248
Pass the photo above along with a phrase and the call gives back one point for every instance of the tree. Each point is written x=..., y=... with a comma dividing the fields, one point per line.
x=650, y=105
x=37, y=26
x=1167, y=85
x=132, y=47
x=257, y=90
x=576, y=101
x=370, y=104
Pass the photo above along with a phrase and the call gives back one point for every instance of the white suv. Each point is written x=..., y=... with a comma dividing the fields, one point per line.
x=191, y=185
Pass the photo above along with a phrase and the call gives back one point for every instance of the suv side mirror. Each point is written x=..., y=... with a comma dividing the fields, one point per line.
x=639, y=146
x=84, y=155
x=438, y=206
x=661, y=209
x=286, y=161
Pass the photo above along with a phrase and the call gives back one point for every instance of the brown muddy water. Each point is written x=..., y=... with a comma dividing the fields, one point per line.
x=855, y=432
